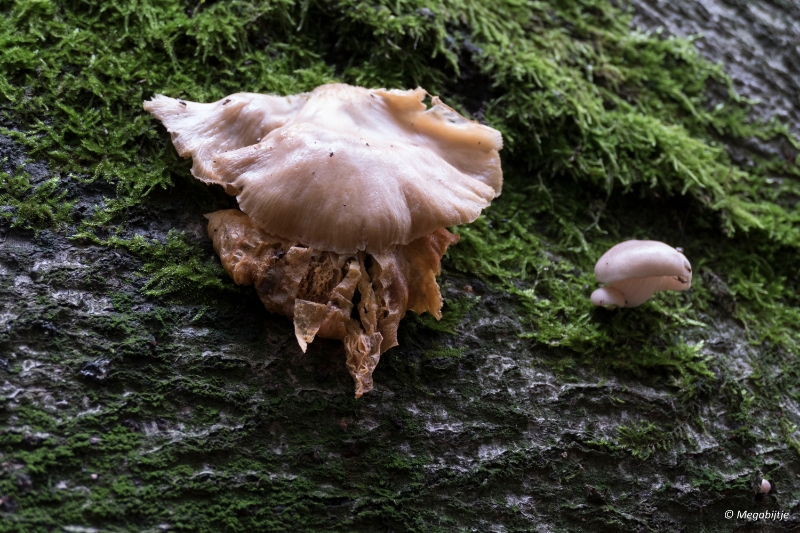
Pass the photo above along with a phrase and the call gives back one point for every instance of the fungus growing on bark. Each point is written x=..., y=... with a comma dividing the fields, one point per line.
x=634, y=270
x=344, y=194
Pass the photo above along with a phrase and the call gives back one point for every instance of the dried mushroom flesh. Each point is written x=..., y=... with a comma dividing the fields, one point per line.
x=317, y=288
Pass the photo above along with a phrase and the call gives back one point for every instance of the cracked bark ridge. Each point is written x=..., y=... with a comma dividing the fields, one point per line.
x=356, y=298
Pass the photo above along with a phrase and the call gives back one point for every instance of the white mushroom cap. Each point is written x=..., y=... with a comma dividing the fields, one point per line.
x=634, y=270
x=343, y=168
x=765, y=486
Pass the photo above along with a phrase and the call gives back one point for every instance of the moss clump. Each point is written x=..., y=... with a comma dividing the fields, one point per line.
x=643, y=439
x=175, y=265
x=30, y=206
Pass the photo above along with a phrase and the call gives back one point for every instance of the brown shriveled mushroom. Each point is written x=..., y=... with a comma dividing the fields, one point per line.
x=634, y=270
x=343, y=190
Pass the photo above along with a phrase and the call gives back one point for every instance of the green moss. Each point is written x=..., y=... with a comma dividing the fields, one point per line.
x=453, y=313
x=175, y=265
x=38, y=207
x=643, y=439
x=445, y=353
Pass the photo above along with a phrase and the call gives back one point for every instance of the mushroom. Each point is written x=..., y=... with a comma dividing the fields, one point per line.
x=634, y=270
x=764, y=487
x=345, y=194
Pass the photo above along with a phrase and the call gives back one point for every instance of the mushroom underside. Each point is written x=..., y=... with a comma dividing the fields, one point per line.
x=318, y=289
x=633, y=292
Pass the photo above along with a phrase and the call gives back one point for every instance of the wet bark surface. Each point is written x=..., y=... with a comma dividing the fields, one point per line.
x=757, y=43
x=189, y=416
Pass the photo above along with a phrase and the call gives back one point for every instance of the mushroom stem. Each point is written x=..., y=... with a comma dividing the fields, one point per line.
x=608, y=297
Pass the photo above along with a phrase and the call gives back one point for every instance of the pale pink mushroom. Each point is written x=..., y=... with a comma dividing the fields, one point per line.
x=633, y=271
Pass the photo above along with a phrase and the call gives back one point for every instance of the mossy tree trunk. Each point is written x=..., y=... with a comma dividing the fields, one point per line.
x=143, y=391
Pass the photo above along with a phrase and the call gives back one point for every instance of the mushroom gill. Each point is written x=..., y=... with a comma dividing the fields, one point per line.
x=345, y=194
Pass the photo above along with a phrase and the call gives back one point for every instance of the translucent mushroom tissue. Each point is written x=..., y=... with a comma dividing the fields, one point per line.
x=342, y=190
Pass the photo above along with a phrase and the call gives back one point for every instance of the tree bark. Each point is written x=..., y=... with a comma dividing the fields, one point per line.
x=123, y=411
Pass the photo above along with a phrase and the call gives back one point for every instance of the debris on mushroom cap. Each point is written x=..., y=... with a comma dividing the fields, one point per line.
x=341, y=168
x=202, y=131
x=317, y=288
x=634, y=270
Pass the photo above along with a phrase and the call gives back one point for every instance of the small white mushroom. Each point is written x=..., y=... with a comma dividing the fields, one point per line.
x=764, y=487
x=634, y=270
